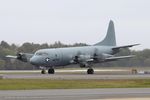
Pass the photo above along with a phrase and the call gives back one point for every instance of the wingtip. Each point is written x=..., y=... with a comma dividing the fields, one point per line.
x=136, y=44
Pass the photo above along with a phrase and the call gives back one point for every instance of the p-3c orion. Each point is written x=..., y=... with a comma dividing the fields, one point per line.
x=84, y=56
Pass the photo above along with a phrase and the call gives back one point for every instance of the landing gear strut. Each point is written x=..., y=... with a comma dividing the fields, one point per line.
x=90, y=71
x=51, y=71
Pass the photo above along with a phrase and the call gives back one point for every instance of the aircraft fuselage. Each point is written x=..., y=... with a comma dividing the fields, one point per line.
x=64, y=56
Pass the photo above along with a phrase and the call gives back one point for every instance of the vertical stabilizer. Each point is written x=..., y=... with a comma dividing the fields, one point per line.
x=110, y=39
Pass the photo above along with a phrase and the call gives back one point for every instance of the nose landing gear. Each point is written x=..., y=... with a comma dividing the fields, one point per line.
x=43, y=71
x=50, y=70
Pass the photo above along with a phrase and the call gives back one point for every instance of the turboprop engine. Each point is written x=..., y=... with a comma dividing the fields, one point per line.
x=22, y=57
x=25, y=57
x=83, y=60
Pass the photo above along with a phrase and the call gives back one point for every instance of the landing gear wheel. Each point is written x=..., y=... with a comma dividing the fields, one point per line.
x=90, y=71
x=43, y=71
x=51, y=71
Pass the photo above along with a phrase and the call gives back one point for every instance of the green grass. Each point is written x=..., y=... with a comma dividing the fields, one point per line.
x=25, y=84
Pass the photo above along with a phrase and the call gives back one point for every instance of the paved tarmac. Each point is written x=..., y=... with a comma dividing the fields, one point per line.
x=76, y=94
x=72, y=76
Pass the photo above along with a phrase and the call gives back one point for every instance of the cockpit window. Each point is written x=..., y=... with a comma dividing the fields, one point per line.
x=41, y=53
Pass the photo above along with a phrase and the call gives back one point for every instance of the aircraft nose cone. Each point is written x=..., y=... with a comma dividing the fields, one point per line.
x=33, y=61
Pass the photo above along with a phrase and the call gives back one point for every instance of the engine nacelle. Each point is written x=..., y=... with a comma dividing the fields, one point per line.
x=84, y=64
x=25, y=57
x=81, y=58
x=22, y=57
x=84, y=58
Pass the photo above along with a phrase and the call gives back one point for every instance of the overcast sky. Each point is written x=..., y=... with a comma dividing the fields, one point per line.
x=71, y=21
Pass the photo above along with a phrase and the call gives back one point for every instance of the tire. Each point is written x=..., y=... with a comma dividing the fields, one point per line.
x=90, y=71
x=43, y=72
x=51, y=71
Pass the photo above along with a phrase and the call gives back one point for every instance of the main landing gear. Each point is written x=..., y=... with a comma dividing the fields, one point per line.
x=50, y=71
x=90, y=71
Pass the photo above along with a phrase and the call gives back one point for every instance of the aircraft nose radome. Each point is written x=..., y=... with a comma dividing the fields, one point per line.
x=33, y=61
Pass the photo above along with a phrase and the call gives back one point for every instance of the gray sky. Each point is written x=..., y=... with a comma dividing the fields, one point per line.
x=71, y=21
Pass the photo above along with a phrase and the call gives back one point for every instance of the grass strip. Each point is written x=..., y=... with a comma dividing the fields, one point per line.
x=29, y=84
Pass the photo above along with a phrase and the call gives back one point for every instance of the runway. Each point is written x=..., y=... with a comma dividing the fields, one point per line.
x=73, y=74
x=76, y=94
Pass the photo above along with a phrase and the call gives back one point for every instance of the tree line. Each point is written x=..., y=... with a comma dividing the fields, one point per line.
x=141, y=59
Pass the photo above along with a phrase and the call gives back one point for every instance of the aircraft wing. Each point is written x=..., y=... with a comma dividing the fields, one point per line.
x=118, y=58
x=126, y=46
x=25, y=57
x=10, y=56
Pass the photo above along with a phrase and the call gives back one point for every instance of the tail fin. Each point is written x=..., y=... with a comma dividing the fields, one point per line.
x=110, y=39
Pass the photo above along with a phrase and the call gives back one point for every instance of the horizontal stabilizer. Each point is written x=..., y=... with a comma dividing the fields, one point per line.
x=126, y=46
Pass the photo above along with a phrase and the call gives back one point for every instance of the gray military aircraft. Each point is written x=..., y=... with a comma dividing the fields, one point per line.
x=84, y=56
